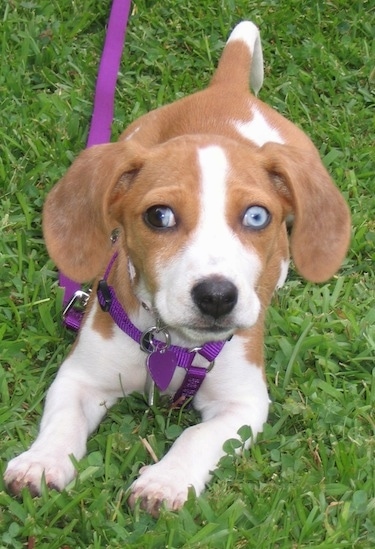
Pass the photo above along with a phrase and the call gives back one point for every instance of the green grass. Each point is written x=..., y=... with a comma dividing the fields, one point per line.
x=309, y=481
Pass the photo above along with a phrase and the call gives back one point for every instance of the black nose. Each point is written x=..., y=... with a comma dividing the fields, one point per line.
x=215, y=296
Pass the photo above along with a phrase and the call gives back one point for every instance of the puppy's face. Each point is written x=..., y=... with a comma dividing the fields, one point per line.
x=204, y=232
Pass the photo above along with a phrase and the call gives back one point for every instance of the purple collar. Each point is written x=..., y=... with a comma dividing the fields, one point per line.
x=162, y=357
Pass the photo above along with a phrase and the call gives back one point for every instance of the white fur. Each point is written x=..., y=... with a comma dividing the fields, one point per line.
x=258, y=130
x=248, y=33
x=214, y=249
x=284, y=266
x=88, y=383
x=227, y=401
x=100, y=370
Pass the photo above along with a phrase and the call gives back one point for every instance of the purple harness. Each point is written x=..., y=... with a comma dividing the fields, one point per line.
x=163, y=358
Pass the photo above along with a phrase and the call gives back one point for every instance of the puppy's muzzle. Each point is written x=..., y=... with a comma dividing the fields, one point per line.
x=215, y=296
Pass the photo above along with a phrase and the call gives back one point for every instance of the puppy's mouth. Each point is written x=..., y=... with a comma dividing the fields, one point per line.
x=201, y=332
x=215, y=328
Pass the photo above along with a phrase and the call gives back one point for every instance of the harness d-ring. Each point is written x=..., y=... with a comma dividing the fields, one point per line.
x=148, y=344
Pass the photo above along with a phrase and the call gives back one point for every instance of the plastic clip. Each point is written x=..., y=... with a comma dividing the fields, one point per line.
x=105, y=298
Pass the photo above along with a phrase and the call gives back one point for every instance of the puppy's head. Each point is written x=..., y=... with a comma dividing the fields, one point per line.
x=202, y=223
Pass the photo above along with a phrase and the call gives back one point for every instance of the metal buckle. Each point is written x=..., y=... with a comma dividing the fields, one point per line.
x=78, y=301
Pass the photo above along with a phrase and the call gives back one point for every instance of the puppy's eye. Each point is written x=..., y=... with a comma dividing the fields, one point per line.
x=160, y=217
x=256, y=217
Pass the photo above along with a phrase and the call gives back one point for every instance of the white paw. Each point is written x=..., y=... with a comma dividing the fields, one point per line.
x=159, y=485
x=27, y=470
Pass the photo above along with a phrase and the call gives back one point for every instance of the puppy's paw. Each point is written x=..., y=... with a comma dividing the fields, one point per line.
x=159, y=486
x=28, y=469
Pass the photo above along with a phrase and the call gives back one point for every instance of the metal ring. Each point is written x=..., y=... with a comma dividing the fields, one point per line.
x=210, y=366
x=147, y=342
x=195, y=349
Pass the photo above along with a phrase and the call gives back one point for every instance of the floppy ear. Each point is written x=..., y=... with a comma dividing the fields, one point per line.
x=321, y=228
x=77, y=221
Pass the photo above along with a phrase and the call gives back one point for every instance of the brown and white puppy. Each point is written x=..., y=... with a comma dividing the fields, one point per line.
x=200, y=191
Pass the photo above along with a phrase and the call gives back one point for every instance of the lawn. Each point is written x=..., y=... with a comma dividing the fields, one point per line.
x=309, y=480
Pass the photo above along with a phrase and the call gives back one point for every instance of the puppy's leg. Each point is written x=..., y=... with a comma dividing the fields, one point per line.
x=98, y=371
x=197, y=451
x=73, y=409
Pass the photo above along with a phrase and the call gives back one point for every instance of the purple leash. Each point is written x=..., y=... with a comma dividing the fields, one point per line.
x=100, y=131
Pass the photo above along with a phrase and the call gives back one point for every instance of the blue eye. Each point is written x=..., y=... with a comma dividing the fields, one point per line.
x=160, y=217
x=256, y=217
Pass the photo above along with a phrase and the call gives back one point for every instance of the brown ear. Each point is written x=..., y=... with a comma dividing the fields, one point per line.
x=321, y=228
x=77, y=223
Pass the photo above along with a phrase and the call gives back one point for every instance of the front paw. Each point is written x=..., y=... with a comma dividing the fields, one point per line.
x=28, y=470
x=159, y=486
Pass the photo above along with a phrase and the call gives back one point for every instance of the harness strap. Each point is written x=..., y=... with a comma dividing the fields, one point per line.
x=100, y=128
x=184, y=357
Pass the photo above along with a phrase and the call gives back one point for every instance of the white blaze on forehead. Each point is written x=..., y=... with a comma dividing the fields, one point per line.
x=214, y=168
x=217, y=248
x=214, y=241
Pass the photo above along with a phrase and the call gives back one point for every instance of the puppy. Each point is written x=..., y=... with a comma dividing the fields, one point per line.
x=198, y=193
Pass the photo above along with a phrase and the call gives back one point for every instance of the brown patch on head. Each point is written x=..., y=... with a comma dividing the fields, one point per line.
x=287, y=181
x=250, y=184
x=168, y=178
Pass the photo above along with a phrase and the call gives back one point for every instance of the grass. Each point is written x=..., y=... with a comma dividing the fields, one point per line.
x=309, y=481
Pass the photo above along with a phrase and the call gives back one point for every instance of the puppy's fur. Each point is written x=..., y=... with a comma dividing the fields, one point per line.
x=206, y=160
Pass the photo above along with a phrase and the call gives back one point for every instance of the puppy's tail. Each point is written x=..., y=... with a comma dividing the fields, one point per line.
x=241, y=62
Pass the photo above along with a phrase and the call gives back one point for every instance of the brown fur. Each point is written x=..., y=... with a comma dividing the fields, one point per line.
x=84, y=207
